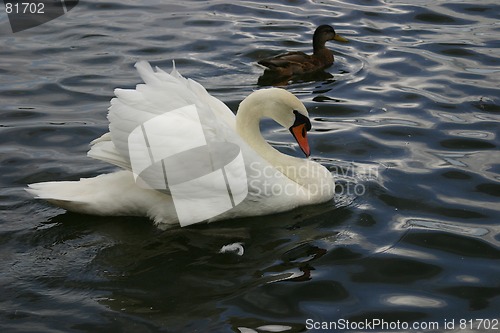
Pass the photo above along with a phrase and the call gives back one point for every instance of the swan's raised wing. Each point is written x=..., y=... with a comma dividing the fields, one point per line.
x=160, y=94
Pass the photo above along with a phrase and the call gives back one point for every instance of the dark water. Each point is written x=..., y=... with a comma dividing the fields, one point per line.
x=408, y=124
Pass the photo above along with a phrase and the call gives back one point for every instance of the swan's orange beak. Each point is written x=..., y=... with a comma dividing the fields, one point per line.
x=299, y=132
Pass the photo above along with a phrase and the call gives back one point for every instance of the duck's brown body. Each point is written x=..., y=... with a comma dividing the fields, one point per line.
x=298, y=63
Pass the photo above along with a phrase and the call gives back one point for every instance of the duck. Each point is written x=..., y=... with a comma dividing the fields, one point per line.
x=299, y=63
x=184, y=157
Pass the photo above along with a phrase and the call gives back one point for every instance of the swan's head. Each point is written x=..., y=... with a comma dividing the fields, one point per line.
x=281, y=106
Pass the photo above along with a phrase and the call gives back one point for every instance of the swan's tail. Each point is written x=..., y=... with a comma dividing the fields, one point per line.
x=98, y=195
x=70, y=195
x=112, y=194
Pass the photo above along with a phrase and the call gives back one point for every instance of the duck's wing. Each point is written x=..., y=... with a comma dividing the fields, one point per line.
x=152, y=103
x=286, y=60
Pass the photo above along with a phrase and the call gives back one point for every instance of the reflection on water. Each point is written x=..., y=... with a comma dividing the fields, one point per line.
x=269, y=78
x=406, y=119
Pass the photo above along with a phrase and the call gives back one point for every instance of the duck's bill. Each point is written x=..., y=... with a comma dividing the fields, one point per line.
x=339, y=38
x=299, y=132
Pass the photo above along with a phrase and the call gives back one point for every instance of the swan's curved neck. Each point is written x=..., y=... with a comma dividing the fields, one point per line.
x=248, y=127
x=314, y=178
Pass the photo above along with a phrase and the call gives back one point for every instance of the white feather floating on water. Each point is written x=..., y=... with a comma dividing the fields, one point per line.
x=234, y=247
x=266, y=328
x=274, y=328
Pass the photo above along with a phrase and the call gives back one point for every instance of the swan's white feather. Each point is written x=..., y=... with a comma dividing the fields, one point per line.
x=106, y=151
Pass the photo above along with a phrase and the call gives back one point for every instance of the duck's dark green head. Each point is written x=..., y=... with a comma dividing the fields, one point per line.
x=324, y=33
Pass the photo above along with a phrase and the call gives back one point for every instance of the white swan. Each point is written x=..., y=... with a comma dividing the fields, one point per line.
x=253, y=177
